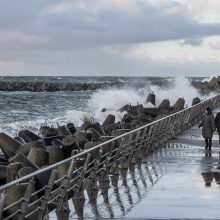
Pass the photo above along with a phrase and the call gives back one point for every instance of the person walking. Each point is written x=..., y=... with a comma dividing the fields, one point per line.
x=217, y=124
x=208, y=127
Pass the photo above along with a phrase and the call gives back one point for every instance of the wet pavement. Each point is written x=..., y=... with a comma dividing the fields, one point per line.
x=190, y=189
x=178, y=181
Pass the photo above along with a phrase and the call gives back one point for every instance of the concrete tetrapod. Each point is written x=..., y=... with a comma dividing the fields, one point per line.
x=195, y=101
x=63, y=131
x=25, y=171
x=71, y=127
x=151, y=98
x=55, y=154
x=8, y=145
x=25, y=148
x=165, y=104
x=110, y=119
x=12, y=171
x=47, y=131
x=69, y=144
x=3, y=171
x=179, y=105
x=28, y=136
x=38, y=156
x=13, y=194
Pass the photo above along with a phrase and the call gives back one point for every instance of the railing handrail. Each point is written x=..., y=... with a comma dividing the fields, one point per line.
x=50, y=167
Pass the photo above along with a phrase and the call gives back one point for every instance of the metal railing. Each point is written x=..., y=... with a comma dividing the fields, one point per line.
x=91, y=170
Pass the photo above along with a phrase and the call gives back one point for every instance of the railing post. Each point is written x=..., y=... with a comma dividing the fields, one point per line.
x=139, y=145
x=147, y=141
x=43, y=209
x=114, y=168
x=2, y=203
x=91, y=184
x=62, y=209
x=26, y=200
x=78, y=197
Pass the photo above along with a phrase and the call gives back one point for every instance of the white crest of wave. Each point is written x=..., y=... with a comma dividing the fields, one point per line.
x=180, y=88
x=74, y=116
x=114, y=99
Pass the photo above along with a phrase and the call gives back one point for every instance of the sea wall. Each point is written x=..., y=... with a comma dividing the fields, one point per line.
x=51, y=86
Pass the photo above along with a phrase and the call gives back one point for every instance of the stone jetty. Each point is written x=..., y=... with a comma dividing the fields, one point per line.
x=52, y=86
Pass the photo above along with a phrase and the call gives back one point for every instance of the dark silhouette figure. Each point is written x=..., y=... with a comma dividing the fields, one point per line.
x=217, y=124
x=208, y=127
x=208, y=178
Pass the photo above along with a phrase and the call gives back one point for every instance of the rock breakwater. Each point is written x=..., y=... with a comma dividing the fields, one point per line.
x=208, y=86
x=52, y=86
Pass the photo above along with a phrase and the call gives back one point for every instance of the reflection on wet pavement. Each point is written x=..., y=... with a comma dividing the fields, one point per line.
x=135, y=186
x=190, y=187
x=176, y=181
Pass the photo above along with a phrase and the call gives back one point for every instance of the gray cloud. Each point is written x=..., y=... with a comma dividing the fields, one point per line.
x=215, y=45
x=65, y=36
x=75, y=27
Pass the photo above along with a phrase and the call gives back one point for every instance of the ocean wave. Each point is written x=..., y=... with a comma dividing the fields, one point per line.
x=74, y=116
x=112, y=99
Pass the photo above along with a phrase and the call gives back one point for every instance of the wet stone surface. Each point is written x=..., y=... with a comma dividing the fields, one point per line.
x=191, y=187
x=178, y=181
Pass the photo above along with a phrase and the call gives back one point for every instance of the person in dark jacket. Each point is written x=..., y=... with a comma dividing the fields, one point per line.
x=217, y=124
x=208, y=127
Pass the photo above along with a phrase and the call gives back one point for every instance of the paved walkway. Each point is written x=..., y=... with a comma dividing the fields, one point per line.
x=178, y=181
x=191, y=187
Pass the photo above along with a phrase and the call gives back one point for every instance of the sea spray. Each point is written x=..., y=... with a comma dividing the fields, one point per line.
x=74, y=116
x=180, y=87
x=113, y=99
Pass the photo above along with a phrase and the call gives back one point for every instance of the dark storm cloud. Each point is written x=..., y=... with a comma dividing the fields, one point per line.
x=69, y=37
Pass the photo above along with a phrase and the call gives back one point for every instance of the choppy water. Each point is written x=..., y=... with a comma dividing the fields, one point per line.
x=78, y=79
x=19, y=110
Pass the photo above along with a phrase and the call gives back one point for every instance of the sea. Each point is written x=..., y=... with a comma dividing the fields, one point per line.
x=30, y=110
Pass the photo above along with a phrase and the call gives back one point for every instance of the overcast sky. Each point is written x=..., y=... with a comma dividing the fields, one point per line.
x=110, y=37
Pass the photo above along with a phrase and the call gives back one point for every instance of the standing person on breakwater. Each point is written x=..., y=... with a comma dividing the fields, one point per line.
x=208, y=127
x=217, y=124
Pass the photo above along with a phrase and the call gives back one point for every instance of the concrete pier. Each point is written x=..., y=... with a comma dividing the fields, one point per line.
x=178, y=181
x=190, y=188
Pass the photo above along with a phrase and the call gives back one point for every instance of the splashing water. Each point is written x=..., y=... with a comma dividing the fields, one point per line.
x=114, y=99
x=26, y=110
x=180, y=88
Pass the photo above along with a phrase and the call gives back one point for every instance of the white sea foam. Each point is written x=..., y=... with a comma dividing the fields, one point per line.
x=74, y=116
